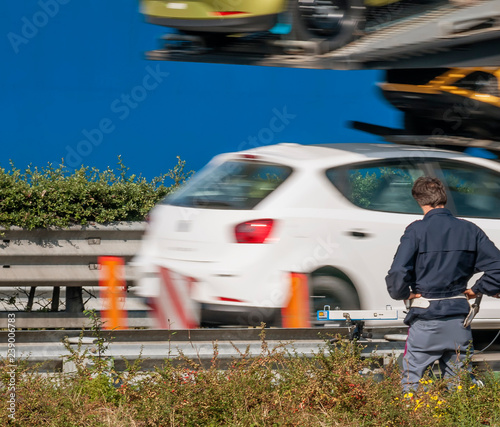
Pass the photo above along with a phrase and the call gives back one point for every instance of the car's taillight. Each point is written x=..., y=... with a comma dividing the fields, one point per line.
x=232, y=12
x=256, y=231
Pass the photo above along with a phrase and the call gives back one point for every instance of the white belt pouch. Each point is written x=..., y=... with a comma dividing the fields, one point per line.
x=426, y=302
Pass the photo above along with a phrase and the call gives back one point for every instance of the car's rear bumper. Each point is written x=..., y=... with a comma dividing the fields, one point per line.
x=222, y=314
x=223, y=299
x=250, y=24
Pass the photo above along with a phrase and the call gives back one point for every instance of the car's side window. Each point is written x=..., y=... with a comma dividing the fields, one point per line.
x=383, y=186
x=475, y=190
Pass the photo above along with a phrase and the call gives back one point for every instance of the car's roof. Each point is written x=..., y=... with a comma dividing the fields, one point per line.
x=341, y=153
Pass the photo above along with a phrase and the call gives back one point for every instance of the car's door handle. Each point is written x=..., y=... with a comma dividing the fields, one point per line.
x=358, y=233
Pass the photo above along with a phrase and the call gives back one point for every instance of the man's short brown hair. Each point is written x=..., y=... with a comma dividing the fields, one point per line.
x=428, y=191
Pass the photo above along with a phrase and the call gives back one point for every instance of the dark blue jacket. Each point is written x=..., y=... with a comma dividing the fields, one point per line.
x=436, y=258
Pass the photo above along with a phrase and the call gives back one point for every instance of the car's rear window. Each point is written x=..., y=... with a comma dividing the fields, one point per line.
x=235, y=184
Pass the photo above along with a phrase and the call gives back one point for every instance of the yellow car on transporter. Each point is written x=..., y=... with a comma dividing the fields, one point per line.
x=456, y=101
x=334, y=21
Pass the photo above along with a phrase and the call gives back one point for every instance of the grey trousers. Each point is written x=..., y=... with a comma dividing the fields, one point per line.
x=445, y=340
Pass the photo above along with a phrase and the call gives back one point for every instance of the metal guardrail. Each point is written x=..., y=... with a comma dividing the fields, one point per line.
x=62, y=319
x=63, y=258
x=155, y=346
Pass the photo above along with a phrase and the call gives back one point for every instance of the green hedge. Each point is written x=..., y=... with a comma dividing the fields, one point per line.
x=56, y=196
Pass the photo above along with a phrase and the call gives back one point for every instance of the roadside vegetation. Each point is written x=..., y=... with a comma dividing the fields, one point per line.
x=278, y=387
x=60, y=197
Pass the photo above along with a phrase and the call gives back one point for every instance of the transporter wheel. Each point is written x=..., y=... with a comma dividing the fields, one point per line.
x=209, y=39
x=334, y=22
x=418, y=125
x=478, y=132
x=332, y=291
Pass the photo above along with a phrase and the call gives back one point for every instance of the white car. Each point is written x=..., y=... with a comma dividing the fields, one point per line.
x=333, y=212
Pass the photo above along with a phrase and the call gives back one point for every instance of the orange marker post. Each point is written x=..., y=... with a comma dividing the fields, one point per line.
x=112, y=291
x=297, y=313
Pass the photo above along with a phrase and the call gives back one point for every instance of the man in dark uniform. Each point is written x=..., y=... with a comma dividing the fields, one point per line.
x=435, y=259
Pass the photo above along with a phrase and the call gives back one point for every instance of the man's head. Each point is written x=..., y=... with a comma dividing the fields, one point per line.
x=429, y=191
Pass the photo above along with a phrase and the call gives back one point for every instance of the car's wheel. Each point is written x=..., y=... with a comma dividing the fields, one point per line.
x=334, y=22
x=334, y=292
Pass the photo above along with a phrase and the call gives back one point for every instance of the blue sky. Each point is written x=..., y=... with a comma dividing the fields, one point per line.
x=75, y=85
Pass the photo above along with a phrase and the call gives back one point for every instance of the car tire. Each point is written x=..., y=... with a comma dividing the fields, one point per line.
x=313, y=21
x=334, y=292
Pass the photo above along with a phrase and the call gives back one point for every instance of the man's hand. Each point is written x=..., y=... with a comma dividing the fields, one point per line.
x=470, y=294
x=412, y=296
